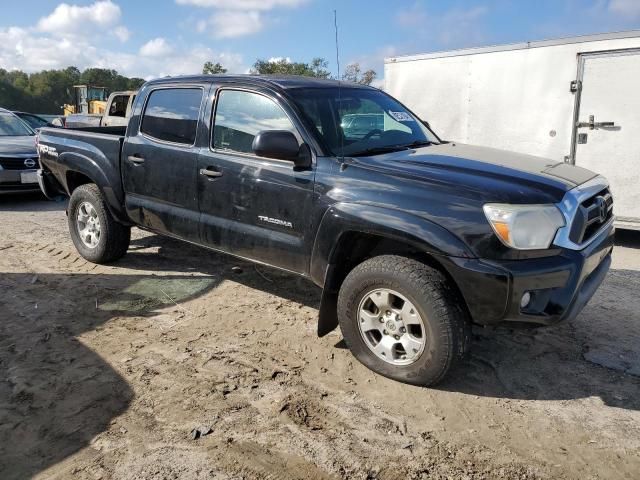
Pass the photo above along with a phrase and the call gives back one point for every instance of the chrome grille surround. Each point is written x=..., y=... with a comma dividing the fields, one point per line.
x=569, y=206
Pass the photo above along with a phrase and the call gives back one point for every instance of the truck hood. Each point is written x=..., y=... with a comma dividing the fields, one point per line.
x=18, y=146
x=492, y=170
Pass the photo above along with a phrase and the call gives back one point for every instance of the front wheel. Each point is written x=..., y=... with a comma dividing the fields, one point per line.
x=97, y=236
x=402, y=319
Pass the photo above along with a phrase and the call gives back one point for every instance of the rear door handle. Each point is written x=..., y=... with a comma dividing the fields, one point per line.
x=207, y=172
x=135, y=159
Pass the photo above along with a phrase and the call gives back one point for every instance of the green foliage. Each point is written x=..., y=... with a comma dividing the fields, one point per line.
x=354, y=74
x=47, y=91
x=211, y=68
x=316, y=68
x=112, y=80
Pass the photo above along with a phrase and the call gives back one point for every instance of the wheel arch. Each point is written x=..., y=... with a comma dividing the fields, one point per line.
x=347, y=236
x=81, y=169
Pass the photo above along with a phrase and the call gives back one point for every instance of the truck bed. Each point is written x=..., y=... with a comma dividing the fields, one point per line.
x=83, y=120
x=92, y=151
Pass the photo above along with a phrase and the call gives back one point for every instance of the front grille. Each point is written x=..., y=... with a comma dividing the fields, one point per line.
x=9, y=163
x=590, y=215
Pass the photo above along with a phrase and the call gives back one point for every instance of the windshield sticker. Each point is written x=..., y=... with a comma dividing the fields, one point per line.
x=401, y=116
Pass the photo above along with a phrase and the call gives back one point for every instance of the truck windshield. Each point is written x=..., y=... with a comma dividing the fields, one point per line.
x=361, y=121
x=12, y=126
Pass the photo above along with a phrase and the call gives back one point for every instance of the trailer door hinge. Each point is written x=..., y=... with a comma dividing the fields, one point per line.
x=575, y=86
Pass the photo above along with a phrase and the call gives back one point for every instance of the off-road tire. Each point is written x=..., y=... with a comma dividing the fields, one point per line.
x=114, y=237
x=438, y=302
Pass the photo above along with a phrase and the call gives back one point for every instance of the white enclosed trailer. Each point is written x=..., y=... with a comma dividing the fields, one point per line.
x=573, y=99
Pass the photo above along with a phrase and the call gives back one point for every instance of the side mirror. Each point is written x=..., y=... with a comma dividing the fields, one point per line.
x=281, y=145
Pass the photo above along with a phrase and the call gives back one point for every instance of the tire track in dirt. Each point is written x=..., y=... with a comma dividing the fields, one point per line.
x=240, y=355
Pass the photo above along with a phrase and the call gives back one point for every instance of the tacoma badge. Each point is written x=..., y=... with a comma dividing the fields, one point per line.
x=275, y=221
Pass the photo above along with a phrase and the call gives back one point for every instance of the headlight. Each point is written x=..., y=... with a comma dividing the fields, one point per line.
x=525, y=227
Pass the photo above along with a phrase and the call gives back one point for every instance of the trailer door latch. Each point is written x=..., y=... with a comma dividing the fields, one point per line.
x=592, y=124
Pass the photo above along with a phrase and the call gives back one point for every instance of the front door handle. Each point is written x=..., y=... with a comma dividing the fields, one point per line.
x=592, y=124
x=136, y=159
x=207, y=172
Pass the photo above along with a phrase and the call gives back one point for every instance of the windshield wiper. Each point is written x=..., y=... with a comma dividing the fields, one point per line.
x=418, y=143
x=378, y=150
x=391, y=148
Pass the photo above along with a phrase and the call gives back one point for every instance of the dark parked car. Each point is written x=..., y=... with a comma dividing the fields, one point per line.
x=18, y=155
x=33, y=120
x=412, y=238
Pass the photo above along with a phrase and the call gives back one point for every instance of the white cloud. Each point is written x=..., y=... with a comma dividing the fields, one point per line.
x=52, y=43
x=279, y=59
x=231, y=23
x=21, y=50
x=242, y=4
x=122, y=33
x=65, y=17
x=237, y=18
x=181, y=61
x=158, y=47
x=411, y=17
x=454, y=28
x=627, y=8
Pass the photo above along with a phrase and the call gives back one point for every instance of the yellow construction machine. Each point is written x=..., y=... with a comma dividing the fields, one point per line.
x=88, y=99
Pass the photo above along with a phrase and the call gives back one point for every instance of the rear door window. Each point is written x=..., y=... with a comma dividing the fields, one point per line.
x=171, y=115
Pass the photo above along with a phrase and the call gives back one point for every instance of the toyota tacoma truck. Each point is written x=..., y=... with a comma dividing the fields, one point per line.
x=411, y=238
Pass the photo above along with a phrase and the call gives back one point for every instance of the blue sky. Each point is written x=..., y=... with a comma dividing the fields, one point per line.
x=177, y=36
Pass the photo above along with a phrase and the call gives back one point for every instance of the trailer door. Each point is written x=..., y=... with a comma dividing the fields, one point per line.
x=607, y=130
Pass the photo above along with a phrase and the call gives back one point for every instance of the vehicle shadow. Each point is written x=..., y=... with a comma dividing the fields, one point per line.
x=597, y=354
x=552, y=363
x=57, y=394
x=628, y=238
x=159, y=253
x=29, y=202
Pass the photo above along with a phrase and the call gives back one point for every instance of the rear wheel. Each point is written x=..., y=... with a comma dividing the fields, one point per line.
x=97, y=236
x=402, y=319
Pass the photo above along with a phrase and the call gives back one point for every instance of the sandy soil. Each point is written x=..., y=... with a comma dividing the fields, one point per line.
x=107, y=370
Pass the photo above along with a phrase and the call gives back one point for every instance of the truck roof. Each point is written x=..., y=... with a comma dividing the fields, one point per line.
x=282, y=81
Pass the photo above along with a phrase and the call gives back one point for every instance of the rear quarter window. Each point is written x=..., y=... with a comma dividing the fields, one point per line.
x=171, y=115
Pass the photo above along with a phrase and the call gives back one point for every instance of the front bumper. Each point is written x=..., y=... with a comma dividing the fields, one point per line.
x=560, y=286
x=11, y=182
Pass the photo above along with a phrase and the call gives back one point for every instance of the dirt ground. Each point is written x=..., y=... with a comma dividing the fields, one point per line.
x=107, y=370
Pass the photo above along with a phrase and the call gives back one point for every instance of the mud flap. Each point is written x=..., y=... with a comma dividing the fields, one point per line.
x=328, y=315
x=49, y=186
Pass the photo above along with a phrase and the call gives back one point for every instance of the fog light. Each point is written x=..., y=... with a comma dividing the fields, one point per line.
x=524, y=301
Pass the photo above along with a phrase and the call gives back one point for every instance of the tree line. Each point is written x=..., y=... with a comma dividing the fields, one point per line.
x=47, y=91
x=315, y=68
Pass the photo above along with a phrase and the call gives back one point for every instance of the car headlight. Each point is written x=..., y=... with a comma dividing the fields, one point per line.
x=524, y=227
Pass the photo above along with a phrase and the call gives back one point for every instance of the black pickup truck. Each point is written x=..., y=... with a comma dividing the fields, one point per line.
x=411, y=238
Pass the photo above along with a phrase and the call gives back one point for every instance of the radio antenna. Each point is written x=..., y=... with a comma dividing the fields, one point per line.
x=335, y=26
x=339, y=133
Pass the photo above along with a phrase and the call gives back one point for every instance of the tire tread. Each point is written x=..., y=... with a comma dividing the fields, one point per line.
x=436, y=290
x=117, y=236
